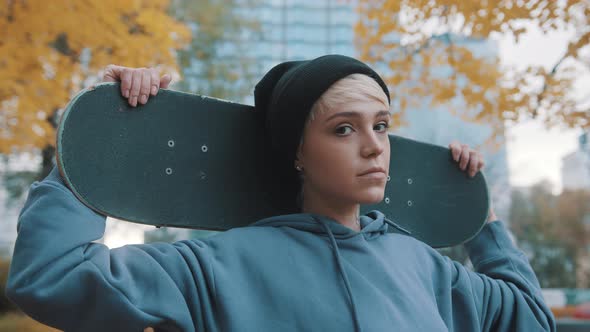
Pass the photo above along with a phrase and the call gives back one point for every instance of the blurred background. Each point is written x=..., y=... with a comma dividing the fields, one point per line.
x=511, y=78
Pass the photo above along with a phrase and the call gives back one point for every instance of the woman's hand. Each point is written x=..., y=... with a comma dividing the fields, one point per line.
x=137, y=84
x=472, y=162
x=469, y=160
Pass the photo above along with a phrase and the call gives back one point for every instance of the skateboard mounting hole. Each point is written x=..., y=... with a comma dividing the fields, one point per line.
x=410, y=203
x=204, y=148
x=388, y=178
x=386, y=200
x=410, y=181
x=168, y=170
x=171, y=143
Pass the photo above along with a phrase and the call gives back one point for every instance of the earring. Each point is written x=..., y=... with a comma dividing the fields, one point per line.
x=298, y=168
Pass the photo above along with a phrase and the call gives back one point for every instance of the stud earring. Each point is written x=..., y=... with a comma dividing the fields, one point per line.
x=298, y=168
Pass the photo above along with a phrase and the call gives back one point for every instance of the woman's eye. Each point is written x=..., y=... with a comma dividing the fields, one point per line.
x=343, y=130
x=382, y=126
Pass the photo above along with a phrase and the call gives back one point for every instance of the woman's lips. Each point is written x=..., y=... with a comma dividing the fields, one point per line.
x=374, y=175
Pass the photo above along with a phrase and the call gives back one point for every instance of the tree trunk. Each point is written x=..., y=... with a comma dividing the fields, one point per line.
x=47, y=153
x=582, y=268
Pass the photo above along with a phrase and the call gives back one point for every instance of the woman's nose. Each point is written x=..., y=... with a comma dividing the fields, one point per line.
x=373, y=145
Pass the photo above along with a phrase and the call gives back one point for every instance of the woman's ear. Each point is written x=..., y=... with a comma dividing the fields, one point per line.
x=299, y=156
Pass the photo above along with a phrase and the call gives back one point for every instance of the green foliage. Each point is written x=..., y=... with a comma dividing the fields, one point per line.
x=214, y=63
x=160, y=235
x=170, y=235
x=551, y=230
x=16, y=184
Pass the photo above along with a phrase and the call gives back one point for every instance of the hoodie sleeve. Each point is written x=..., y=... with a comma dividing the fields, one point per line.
x=503, y=294
x=61, y=278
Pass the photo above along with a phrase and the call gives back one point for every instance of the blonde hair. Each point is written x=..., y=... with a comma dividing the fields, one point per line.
x=351, y=88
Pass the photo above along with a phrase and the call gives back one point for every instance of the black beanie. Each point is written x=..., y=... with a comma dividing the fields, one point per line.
x=285, y=96
x=288, y=91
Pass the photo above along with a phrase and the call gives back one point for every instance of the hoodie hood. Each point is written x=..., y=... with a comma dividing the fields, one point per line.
x=373, y=224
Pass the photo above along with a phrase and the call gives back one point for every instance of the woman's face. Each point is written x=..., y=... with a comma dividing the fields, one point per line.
x=342, y=144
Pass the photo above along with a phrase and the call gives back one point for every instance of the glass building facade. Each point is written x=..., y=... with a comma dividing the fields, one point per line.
x=302, y=29
x=285, y=30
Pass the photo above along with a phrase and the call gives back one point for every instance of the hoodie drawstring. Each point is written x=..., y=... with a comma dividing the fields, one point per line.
x=397, y=227
x=343, y=274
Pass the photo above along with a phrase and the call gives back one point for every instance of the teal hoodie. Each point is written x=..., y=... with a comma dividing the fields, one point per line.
x=299, y=272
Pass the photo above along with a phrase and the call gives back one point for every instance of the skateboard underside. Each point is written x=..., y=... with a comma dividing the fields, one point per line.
x=184, y=160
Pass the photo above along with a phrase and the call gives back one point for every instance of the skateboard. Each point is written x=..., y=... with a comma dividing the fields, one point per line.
x=191, y=161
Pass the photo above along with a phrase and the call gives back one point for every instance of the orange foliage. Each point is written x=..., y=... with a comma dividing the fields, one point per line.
x=418, y=40
x=43, y=45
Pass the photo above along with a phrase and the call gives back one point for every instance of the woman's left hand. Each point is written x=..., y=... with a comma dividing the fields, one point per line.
x=469, y=160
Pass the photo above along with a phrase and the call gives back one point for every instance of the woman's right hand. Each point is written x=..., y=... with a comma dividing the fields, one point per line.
x=137, y=84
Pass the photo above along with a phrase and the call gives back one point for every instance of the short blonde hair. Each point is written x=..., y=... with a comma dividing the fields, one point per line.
x=351, y=88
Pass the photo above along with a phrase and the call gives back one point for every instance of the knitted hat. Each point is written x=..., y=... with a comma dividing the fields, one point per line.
x=286, y=94
x=288, y=91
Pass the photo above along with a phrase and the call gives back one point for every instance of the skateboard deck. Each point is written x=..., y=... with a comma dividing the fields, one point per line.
x=185, y=160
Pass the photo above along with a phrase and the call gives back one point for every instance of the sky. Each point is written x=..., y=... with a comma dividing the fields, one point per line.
x=534, y=152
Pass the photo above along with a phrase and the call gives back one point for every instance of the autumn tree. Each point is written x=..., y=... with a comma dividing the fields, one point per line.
x=532, y=214
x=49, y=49
x=555, y=231
x=418, y=45
x=573, y=226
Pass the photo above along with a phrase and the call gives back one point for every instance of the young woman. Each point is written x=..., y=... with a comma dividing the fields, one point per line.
x=323, y=269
